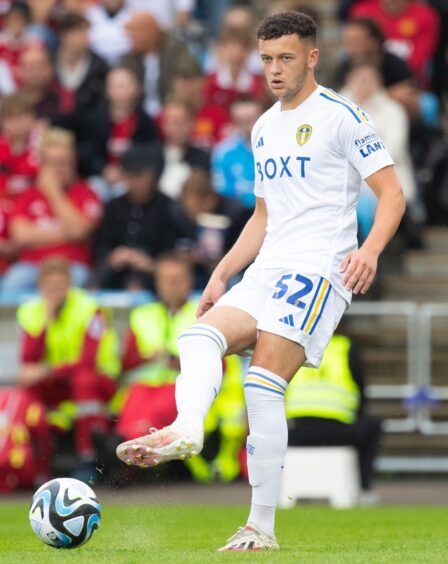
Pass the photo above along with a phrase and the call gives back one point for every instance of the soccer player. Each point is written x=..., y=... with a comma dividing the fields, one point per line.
x=312, y=149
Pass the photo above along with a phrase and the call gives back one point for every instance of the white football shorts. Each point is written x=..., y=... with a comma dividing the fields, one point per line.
x=301, y=307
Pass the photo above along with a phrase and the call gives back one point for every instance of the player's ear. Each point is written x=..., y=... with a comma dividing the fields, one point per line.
x=313, y=57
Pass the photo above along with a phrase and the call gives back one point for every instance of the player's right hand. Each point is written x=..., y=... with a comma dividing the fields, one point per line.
x=213, y=291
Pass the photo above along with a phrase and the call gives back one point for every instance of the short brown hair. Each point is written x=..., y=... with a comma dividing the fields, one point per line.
x=16, y=105
x=232, y=34
x=288, y=23
x=177, y=257
x=54, y=265
x=198, y=183
x=173, y=100
x=71, y=20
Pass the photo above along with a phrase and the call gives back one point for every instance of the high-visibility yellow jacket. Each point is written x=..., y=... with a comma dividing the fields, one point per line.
x=329, y=391
x=65, y=335
x=156, y=330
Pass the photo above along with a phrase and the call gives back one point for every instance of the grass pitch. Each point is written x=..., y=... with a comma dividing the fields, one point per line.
x=187, y=534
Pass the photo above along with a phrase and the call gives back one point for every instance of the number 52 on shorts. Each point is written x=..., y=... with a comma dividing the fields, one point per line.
x=303, y=299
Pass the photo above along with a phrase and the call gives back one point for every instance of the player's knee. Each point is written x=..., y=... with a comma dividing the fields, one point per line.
x=201, y=334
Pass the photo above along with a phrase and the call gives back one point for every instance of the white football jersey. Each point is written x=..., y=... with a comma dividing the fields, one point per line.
x=309, y=163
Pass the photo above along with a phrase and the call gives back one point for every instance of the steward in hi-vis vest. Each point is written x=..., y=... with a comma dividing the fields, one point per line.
x=151, y=365
x=328, y=391
x=325, y=406
x=69, y=352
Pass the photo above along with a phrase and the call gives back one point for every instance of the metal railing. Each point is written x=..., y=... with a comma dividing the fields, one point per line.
x=426, y=315
x=409, y=311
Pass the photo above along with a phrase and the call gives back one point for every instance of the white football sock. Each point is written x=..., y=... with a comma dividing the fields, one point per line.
x=201, y=348
x=266, y=444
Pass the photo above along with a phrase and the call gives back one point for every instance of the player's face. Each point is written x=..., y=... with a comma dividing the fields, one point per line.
x=287, y=62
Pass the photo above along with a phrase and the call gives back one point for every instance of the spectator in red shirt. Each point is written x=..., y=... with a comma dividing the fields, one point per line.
x=19, y=146
x=80, y=73
x=36, y=79
x=8, y=249
x=211, y=121
x=363, y=41
x=231, y=77
x=411, y=28
x=15, y=35
x=56, y=218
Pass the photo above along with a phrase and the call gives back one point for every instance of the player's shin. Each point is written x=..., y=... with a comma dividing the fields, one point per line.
x=266, y=444
x=201, y=348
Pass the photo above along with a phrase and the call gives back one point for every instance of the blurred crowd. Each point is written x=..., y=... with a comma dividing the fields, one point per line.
x=125, y=125
x=126, y=164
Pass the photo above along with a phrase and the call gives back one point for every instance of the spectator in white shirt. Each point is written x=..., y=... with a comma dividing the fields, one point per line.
x=108, y=36
x=170, y=14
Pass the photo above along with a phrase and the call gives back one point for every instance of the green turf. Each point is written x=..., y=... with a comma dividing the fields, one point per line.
x=182, y=534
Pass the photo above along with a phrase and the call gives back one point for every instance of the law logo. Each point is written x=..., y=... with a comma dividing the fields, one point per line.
x=303, y=134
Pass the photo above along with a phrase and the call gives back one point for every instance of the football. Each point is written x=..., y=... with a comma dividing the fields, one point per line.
x=64, y=513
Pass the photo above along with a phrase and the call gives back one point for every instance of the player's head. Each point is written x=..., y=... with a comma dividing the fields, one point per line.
x=54, y=280
x=173, y=279
x=287, y=43
x=292, y=24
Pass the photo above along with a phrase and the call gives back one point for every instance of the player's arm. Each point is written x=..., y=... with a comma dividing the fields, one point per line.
x=360, y=266
x=243, y=252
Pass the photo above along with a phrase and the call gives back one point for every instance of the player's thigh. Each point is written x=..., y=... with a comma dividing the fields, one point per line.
x=238, y=326
x=278, y=355
x=236, y=313
x=304, y=311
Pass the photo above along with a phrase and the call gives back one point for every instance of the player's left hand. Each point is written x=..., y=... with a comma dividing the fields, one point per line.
x=360, y=269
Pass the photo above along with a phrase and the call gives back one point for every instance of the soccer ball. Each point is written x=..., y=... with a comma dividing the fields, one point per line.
x=64, y=513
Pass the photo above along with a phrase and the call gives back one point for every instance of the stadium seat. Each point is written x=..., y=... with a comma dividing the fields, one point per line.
x=320, y=473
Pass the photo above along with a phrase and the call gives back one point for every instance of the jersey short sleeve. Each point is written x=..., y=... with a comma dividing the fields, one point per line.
x=362, y=146
x=258, y=186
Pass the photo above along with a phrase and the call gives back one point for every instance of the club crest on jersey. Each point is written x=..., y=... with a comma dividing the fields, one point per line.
x=303, y=134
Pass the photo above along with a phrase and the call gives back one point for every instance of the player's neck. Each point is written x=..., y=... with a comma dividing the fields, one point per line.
x=300, y=96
